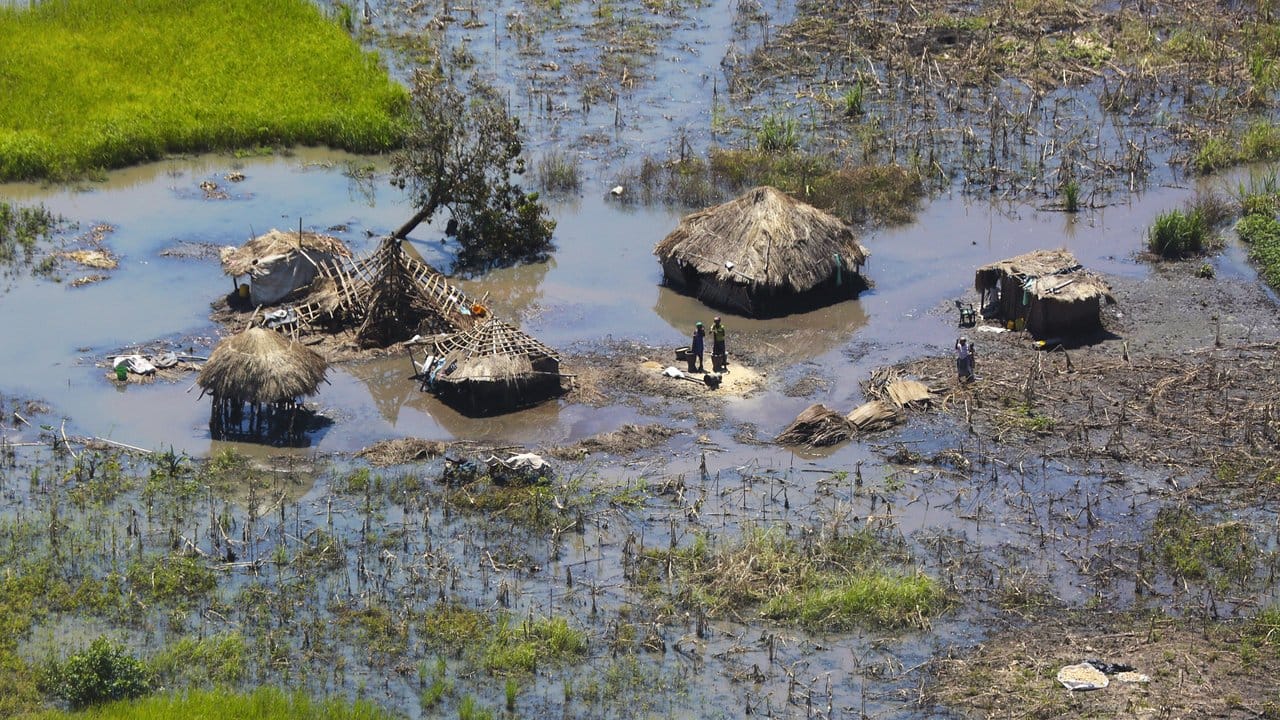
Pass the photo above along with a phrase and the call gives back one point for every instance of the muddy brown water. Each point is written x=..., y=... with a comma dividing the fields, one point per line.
x=601, y=287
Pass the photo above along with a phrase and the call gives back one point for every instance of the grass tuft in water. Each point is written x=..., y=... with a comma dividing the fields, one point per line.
x=1178, y=233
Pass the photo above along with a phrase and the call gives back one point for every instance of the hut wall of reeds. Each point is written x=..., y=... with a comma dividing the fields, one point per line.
x=763, y=254
x=280, y=263
x=494, y=368
x=256, y=380
x=1048, y=290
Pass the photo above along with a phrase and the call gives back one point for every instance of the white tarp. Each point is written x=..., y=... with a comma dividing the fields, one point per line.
x=274, y=277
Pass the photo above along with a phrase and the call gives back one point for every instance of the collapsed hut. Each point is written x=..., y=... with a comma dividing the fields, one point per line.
x=763, y=254
x=280, y=263
x=491, y=368
x=1047, y=291
x=256, y=380
x=389, y=297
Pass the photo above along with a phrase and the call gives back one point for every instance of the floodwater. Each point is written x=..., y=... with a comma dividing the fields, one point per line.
x=601, y=286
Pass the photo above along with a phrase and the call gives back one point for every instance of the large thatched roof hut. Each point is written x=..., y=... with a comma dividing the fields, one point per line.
x=265, y=370
x=1048, y=290
x=278, y=263
x=494, y=367
x=763, y=254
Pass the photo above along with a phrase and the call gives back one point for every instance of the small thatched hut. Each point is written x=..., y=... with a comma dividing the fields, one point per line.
x=1048, y=290
x=278, y=263
x=264, y=370
x=763, y=254
x=492, y=368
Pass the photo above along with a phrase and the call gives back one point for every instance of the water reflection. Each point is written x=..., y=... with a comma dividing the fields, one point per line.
x=794, y=337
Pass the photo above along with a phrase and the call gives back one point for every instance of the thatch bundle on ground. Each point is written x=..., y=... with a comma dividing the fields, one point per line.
x=1047, y=289
x=402, y=451
x=264, y=370
x=817, y=426
x=763, y=254
x=279, y=263
x=907, y=392
x=493, y=367
x=874, y=415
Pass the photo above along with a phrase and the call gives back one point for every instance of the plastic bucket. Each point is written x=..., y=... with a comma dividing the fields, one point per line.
x=122, y=372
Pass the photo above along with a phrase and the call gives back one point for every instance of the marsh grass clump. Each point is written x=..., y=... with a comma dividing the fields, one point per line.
x=1217, y=554
x=777, y=134
x=176, y=580
x=21, y=229
x=827, y=584
x=219, y=660
x=558, y=173
x=1178, y=233
x=502, y=644
x=1262, y=234
x=251, y=75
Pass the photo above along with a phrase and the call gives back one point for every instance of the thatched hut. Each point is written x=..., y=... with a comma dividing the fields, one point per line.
x=279, y=263
x=763, y=254
x=492, y=368
x=265, y=371
x=1048, y=290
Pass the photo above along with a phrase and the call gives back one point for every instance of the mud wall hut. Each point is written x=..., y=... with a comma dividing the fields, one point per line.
x=278, y=263
x=1047, y=290
x=492, y=368
x=763, y=254
x=256, y=380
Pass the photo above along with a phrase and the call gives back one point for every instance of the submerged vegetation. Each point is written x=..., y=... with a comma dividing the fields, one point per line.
x=137, y=81
x=827, y=584
x=21, y=229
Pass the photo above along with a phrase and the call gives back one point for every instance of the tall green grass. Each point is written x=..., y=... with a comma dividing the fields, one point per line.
x=262, y=704
x=92, y=84
x=1262, y=233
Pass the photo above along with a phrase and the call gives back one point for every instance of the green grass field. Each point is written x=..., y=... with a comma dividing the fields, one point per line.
x=99, y=84
x=262, y=704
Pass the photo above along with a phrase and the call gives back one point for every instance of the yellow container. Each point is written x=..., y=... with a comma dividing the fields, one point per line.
x=1008, y=325
x=1020, y=324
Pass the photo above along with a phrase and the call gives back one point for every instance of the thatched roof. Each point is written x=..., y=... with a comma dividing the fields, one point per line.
x=262, y=366
x=241, y=260
x=493, y=351
x=817, y=426
x=765, y=237
x=1046, y=274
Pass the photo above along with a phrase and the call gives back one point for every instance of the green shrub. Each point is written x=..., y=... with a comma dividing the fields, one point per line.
x=1178, y=233
x=100, y=673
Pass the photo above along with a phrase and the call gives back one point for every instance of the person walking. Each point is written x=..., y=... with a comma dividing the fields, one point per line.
x=719, y=358
x=696, y=348
x=964, y=360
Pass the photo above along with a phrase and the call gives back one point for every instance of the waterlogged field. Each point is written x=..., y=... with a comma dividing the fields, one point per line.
x=91, y=85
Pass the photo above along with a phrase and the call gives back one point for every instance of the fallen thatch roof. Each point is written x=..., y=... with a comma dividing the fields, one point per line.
x=874, y=415
x=904, y=392
x=262, y=366
x=1046, y=274
x=817, y=426
x=391, y=295
x=764, y=237
x=492, y=351
x=242, y=260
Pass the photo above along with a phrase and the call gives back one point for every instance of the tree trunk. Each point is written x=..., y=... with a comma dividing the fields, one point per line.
x=427, y=211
